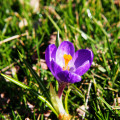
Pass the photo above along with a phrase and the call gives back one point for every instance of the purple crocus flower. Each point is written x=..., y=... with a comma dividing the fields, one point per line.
x=66, y=65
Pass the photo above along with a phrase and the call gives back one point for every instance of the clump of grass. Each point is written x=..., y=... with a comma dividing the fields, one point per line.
x=87, y=24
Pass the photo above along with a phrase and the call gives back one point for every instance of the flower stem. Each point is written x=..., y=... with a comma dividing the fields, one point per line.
x=61, y=88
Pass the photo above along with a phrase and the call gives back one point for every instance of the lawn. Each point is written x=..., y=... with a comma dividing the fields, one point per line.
x=27, y=27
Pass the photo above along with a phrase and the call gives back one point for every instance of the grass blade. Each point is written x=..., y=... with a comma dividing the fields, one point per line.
x=41, y=84
x=66, y=100
x=57, y=43
x=103, y=101
x=81, y=32
x=53, y=22
x=32, y=91
x=78, y=91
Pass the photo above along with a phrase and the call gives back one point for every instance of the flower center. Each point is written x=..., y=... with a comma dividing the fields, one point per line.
x=67, y=58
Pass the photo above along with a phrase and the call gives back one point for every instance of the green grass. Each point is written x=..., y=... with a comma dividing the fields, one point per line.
x=99, y=31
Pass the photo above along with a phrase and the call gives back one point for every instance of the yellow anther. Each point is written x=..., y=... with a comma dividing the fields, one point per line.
x=67, y=58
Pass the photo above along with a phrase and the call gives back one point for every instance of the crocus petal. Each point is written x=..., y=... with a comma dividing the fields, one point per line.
x=66, y=76
x=50, y=54
x=65, y=47
x=83, y=68
x=55, y=69
x=82, y=61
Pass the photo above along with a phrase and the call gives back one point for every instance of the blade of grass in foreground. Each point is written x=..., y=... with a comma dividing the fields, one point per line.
x=32, y=91
x=41, y=84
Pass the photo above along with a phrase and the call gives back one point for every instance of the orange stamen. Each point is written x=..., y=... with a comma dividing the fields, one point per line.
x=67, y=58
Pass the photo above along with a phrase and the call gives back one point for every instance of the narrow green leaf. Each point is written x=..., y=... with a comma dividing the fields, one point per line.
x=37, y=47
x=16, y=82
x=103, y=101
x=57, y=40
x=66, y=100
x=81, y=32
x=116, y=74
x=53, y=22
x=56, y=85
x=41, y=39
x=41, y=84
x=32, y=91
x=106, y=64
x=78, y=91
x=110, y=51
